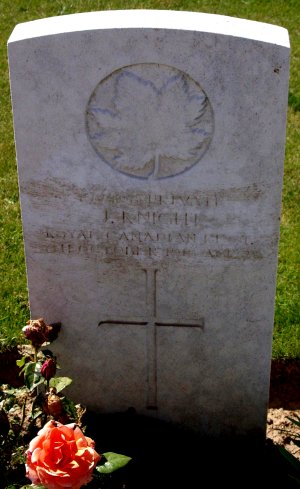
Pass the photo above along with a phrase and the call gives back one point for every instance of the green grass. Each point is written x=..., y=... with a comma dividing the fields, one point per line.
x=14, y=307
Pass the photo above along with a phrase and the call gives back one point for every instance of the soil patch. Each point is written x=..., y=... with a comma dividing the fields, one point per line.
x=284, y=403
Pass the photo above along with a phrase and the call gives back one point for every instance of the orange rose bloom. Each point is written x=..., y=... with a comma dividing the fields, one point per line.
x=61, y=456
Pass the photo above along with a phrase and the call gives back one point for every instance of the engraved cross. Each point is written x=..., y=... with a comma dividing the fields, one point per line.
x=152, y=321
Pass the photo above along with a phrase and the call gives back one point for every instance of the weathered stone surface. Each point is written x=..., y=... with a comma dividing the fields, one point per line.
x=150, y=151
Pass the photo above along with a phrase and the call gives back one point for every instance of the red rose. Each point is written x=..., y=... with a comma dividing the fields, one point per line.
x=61, y=457
x=48, y=369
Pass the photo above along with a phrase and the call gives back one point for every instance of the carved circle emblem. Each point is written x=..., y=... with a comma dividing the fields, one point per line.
x=149, y=120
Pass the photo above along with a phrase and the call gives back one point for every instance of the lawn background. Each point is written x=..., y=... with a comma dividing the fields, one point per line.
x=14, y=311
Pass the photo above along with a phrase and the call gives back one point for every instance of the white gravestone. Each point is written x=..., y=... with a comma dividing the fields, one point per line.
x=150, y=148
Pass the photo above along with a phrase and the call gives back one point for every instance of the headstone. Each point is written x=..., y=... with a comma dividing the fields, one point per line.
x=150, y=148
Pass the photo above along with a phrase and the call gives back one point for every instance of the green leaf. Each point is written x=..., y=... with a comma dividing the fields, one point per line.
x=21, y=362
x=114, y=461
x=70, y=408
x=36, y=414
x=295, y=479
x=10, y=392
x=290, y=458
x=295, y=421
x=39, y=382
x=32, y=376
x=60, y=383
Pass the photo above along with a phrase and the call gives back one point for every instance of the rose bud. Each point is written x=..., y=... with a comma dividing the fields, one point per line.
x=48, y=369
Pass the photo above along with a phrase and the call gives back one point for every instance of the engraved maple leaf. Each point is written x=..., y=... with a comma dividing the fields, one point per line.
x=147, y=129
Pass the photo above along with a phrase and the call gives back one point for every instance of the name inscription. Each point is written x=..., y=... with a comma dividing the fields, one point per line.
x=157, y=226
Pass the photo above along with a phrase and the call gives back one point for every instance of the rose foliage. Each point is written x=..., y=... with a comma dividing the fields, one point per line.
x=61, y=456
